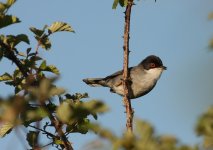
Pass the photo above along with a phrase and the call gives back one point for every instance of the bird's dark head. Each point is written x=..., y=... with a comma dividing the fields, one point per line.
x=152, y=62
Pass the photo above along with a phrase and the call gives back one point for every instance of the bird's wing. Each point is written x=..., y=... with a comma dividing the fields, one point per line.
x=116, y=74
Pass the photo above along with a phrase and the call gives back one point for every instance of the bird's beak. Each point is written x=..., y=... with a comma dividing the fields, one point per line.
x=164, y=68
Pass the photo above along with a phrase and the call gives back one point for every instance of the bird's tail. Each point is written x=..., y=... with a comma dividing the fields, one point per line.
x=95, y=81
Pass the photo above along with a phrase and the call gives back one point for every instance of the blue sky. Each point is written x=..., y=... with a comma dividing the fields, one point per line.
x=178, y=31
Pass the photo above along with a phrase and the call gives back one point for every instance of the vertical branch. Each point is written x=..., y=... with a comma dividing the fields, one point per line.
x=126, y=74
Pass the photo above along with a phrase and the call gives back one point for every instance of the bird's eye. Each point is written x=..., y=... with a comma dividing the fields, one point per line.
x=152, y=65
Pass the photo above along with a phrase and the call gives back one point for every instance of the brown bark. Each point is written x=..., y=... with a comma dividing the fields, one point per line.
x=126, y=74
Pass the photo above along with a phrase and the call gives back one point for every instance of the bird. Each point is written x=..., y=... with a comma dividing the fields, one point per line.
x=143, y=77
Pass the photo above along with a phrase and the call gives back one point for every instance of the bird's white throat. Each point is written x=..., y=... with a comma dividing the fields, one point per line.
x=154, y=74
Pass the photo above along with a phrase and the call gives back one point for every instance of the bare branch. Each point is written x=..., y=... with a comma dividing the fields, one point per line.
x=126, y=74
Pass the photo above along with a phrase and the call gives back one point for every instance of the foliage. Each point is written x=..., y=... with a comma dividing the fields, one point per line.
x=42, y=35
x=47, y=110
x=7, y=20
x=210, y=17
x=205, y=128
x=143, y=138
x=37, y=100
x=204, y=125
x=122, y=3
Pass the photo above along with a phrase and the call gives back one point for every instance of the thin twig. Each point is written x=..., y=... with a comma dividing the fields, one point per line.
x=47, y=144
x=46, y=132
x=126, y=74
x=37, y=47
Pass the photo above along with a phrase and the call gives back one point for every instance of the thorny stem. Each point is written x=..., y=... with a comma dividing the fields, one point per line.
x=126, y=74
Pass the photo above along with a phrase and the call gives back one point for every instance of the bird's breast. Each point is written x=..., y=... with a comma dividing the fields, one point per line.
x=145, y=82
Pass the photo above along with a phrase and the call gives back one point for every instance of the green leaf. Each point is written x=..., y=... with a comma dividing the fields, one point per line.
x=17, y=73
x=11, y=83
x=44, y=42
x=6, y=20
x=208, y=142
x=5, y=77
x=2, y=37
x=211, y=44
x=52, y=69
x=205, y=123
x=46, y=90
x=76, y=96
x=144, y=129
x=10, y=40
x=1, y=54
x=59, y=26
x=3, y=7
x=35, y=58
x=36, y=31
x=69, y=112
x=10, y=2
x=43, y=65
x=5, y=128
x=64, y=112
x=22, y=38
x=18, y=88
x=51, y=107
x=168, y=141
x=81, y=127
x=57, y=141
x=210, y=16
x=115, y=4
x=33, y=114
x=95, y=106
x=32, y=137
x=13, y=40
x=123, y=3
x=56, y=91
x=28, y=50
